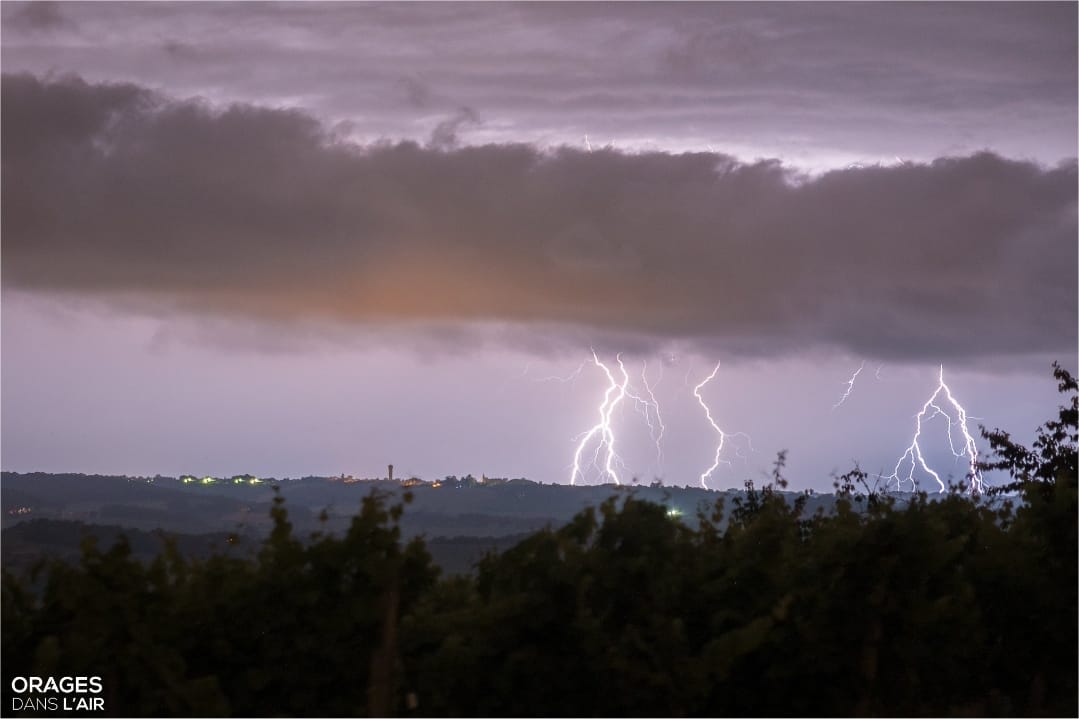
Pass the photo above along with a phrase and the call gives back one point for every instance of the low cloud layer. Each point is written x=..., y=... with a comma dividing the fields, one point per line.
x=114, y=192
x=820, y=84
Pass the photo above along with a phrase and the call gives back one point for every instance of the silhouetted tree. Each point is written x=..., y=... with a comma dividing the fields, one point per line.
x=950, y=605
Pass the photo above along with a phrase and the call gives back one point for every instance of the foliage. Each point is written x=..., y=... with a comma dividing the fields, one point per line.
x=924, y=606
x=1052, y=460
x=291, y=631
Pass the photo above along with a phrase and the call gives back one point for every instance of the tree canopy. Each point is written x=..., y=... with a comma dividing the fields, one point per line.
x=954, y=605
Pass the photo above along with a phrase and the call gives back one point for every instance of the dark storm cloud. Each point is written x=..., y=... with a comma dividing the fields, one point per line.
x=445, y=136
x=115, y=192
x=819, y=84
x=38, y=17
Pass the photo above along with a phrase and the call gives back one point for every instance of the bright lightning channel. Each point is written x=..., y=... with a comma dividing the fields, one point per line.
x=914, y=454
x=722, y=435
x=611, y=398
x=648, y=407
x=850, y=386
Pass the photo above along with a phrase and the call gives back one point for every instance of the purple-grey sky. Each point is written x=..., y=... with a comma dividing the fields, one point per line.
x=317, y=238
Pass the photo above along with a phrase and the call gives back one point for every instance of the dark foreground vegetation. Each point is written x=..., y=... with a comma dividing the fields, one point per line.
x=949, y=606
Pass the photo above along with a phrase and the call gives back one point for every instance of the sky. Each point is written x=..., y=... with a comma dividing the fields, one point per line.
x=305, y=238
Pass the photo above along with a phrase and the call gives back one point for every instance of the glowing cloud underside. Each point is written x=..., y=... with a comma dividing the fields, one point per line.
x=913, y=458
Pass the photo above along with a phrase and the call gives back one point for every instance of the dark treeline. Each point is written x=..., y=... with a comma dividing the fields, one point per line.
x=949, y=606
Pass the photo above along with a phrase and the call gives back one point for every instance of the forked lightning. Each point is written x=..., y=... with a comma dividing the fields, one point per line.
x=615, y=393
x=916, y=457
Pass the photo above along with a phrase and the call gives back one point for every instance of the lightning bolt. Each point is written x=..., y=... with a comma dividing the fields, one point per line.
x=722, y=435
x=648, y=407
x=913, y=453
x=611, y=398
x=555, y=378
x=850, y=386
x=587, y=143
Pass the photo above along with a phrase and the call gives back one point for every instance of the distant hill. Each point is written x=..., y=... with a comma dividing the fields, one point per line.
x=451, y=507
x=461, y=518
x=25, y=543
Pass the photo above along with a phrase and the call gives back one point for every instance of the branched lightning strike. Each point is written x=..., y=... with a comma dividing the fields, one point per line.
x=648, y=407
x=614, y=394
x=914, y=455
x=850, y=386
x=722, y=435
